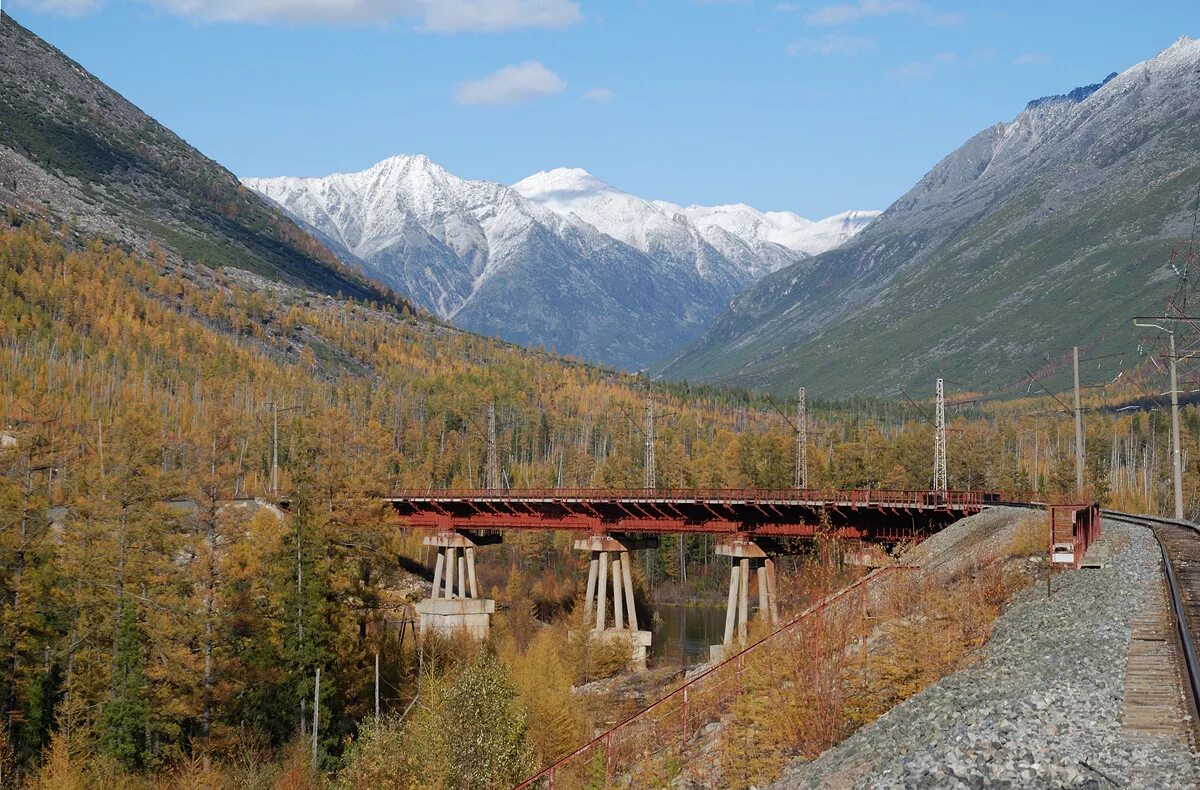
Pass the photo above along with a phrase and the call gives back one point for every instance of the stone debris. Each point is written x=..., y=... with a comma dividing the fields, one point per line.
x=1043, y=707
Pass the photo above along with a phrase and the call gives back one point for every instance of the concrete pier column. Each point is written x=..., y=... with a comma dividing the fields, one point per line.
x=743, y=551
x=625, y=623
x=470, y=552
x=437, y=573
x=451, y=611
x=627, y=579
x=773, y=600
x=601, y=590
x=743, y=598
x=764, y=592
x=589, y=598
x=732, y=606
x=618, y=585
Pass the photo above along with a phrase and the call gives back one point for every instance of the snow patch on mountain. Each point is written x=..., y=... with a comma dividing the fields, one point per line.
x=754, y=241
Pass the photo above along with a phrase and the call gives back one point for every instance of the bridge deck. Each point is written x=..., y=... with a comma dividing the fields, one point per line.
x=879, y=514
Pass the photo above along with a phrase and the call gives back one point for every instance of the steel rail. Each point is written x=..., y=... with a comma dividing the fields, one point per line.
x=1190, y=658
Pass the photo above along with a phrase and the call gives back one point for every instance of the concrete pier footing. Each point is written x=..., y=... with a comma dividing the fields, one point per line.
x=448, y=616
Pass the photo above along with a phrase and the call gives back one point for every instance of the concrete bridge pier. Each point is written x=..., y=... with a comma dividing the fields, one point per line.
x=454, y=605
x=610, y=559
x=747, y=558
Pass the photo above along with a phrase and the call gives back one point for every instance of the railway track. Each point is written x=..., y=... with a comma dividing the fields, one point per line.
x=1179, y=542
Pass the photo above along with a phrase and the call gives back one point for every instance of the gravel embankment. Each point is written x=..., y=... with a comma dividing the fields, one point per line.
x=1042, y=709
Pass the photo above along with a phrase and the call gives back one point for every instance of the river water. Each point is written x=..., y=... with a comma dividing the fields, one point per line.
x=683, y=633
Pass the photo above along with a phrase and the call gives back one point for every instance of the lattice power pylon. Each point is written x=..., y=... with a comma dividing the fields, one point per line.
x=493, y=458
x=649, y=473
x=801, y=441
x=939, y=441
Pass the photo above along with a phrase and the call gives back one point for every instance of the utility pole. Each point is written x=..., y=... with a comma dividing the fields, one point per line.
x=1176, y=458
x=1079, y=425
x=801, y=441
x=493, y=460
x=939, y=441
x=275, y=449
x=316, y=720
x=1175, y=454
x=649, y=474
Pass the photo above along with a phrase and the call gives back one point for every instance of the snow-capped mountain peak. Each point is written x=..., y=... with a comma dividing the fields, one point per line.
x=755, y=242
x=561, y=259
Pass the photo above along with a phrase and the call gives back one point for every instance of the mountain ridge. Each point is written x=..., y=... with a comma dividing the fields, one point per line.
x=480, y=254
x=74, y=151
x=495, y=261
x=1039, y=230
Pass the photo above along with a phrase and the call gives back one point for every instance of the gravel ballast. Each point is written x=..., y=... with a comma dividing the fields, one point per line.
x=1043, y=708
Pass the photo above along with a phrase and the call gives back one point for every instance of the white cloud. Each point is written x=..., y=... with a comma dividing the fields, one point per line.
x=847, y=46
x=787, y=8
x=452, y=16
x=64, y=7
x=1030, y=59
x=334, y=12
x=921, y=69
x=600, y=95
x=511, y=85
x=435, y=16
x=845, y=13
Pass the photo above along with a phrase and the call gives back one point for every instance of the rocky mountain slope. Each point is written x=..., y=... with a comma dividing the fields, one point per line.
x=622, y=281
x=1048, y=231
x=480, y=255
x=74, y=151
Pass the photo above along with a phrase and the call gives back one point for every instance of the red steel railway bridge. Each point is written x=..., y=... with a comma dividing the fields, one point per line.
x=752, y=527
x=880, y=515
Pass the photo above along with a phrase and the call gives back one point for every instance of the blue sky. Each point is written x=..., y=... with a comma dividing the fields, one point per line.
x=814, y=107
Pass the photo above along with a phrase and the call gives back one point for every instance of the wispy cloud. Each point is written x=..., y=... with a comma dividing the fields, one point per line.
x=64, y=7
x=849, y=13
x=787, y=8
x=452, y=16
x=511, y=85
x=1030, y=59
x=847, y=46
x=434, y=16
x=921, y=69
x=845, y=13
x=600, y=95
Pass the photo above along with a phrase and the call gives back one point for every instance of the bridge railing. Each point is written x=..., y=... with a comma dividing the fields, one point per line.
x=849, y=497
x=673, y=721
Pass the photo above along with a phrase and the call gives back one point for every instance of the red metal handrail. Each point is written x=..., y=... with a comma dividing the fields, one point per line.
x=697, y=684
x=852, y=496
